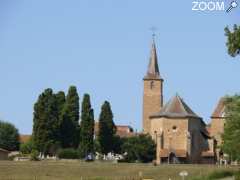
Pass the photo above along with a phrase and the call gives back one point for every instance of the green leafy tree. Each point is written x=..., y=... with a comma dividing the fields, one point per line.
x=45, y=123
x=86, y=127
x=69, y=120
x=27, y=147
x=231, y=142
x=118, y=144
x=107, y=129
x=233, y=40
x=9, y=136
x=139, y=148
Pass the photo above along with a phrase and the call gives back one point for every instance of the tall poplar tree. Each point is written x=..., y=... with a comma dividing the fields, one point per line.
x=69, y=120
x=61, y=99
x=107, y=128
x=45, y=122
x=86, y=127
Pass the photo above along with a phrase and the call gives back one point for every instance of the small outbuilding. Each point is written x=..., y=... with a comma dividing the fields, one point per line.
x=4, y=154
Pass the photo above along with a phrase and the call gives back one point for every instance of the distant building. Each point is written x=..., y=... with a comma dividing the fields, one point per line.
x=3, y=154
x=217, y=127
x=122, y=130
x=24, y=138
x=180, y=134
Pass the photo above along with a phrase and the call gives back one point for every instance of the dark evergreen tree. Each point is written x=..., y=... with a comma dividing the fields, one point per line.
x=107, y=129
x=233, y=40
x=9, y=136
x=86, y=127
x=69, y=120
x=45, y=123
x=61, y=99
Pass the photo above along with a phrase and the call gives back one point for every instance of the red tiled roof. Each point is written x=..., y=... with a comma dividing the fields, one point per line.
x=24, y=138
x=122, y=130
x=219, y=110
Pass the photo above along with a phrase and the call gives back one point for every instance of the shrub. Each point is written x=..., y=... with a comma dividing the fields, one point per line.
x=34, y=155
x=68, y=154
x=216, y=175
x=139, y=148
x=26, y=148
x=220, y=174
x=237, y=175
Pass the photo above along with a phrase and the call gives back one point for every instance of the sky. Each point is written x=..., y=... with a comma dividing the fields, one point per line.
x=103, y=48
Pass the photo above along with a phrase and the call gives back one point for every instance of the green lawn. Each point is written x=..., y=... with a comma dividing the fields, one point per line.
x=99, y=171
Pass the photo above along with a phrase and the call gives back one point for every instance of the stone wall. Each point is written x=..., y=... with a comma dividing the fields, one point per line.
x=174, y=132
x=152, y=101
x=3, y=155
x=199, y=141
x=217, y=129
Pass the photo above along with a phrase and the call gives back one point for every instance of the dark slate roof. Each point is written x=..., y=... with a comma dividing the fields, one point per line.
x=176, y=108
x=219, y=110
x=4, y=150
x=153, y=70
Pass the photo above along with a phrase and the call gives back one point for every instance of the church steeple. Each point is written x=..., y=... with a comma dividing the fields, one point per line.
x=153, y=90
x=153, y=70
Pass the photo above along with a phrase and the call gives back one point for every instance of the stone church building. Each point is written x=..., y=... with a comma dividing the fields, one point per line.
x=180, y=134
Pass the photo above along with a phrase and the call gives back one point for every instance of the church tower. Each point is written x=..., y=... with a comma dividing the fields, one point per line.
x=153, y=90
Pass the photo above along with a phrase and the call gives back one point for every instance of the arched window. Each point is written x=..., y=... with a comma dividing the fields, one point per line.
x=174, y=128
x=151, y=84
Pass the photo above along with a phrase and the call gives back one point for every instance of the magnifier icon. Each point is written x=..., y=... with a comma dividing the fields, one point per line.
x=233, y=5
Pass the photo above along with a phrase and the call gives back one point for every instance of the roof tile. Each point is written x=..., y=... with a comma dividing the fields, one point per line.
x=176, y=108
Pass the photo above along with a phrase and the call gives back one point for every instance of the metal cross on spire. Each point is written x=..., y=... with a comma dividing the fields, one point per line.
x=153, y=29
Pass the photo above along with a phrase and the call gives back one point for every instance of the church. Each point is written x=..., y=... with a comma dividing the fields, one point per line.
x=180, y=134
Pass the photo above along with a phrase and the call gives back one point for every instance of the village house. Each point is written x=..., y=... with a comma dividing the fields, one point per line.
x=3, y=154
x=121, y=130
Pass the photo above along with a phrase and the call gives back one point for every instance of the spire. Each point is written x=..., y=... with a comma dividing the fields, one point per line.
x=153, y=70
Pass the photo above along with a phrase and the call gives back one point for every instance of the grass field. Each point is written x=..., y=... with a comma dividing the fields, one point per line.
x=98, y=171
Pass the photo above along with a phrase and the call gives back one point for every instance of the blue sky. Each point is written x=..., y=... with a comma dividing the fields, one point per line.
x=103, y=46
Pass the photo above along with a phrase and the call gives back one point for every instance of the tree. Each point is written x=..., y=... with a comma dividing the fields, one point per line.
x=231, y=142
x=86, y=127
x=27, y=147
x=45, y=123
x=139, y=148
x=233, y=40
x=69, y=120
x=61, y=99
x=9, y=136
x=107, y=128
x=118, y=144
